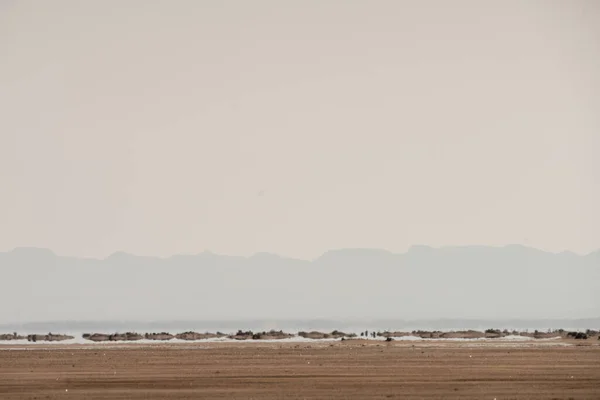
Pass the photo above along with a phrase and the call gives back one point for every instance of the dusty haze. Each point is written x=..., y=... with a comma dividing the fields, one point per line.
x=295, y=127
x=167, y=127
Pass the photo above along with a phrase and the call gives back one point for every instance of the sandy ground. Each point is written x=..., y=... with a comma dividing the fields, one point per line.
x=321, y=370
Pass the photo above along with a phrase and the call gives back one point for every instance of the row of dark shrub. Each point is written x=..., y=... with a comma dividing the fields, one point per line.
x=50, y=337
x=274, y=334
x=189, y=335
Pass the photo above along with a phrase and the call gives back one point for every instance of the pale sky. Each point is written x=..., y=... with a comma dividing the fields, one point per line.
x=294, y=127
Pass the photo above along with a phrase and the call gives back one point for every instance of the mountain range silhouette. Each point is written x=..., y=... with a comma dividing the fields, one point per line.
x=483, y=282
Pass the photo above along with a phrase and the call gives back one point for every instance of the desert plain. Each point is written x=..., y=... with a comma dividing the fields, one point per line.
x=350, y=369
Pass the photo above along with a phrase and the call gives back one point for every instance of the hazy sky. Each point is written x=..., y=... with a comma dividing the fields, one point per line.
x=161, y=127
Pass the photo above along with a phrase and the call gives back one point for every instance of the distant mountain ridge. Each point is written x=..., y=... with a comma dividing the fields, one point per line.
x=349, y=251
x=423, y=283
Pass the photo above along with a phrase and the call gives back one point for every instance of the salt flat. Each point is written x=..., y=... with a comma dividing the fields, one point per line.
x=361, y=369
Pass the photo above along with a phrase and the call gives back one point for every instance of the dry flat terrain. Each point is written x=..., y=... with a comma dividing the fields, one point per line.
x=320, y=370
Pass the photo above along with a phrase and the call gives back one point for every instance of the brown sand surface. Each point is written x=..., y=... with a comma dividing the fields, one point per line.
x=351, y=369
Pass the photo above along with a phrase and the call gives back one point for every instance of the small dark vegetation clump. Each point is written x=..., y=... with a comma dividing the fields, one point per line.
x=577, y=335
x=243, y=335
x=159, y=336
